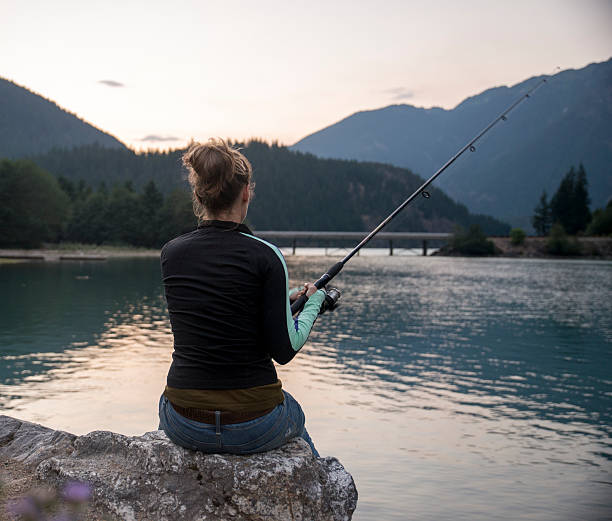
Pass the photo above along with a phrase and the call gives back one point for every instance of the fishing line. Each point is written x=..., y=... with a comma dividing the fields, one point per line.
x=470, y=145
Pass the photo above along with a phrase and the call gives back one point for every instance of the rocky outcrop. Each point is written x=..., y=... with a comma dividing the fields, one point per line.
x=149, y=477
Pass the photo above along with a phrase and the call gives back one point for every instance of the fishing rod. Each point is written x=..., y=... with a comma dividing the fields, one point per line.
x=336, y=268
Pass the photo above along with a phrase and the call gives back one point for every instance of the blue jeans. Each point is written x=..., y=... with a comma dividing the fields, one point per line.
x=267, y=432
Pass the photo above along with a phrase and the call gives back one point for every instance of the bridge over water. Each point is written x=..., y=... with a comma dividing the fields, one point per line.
x=294, y=236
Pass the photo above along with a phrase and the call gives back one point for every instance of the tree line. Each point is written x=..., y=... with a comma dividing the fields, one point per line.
x=37, y=207
x=568, y=210
x=295, y=191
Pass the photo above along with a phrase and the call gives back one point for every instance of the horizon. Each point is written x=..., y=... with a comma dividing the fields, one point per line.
x=156, y=76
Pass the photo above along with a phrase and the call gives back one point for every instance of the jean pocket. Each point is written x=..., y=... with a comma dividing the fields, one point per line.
x=189, y=435
x=247, y=436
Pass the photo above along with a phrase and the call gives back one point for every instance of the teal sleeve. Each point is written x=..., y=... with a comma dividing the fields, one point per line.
x=306, y=319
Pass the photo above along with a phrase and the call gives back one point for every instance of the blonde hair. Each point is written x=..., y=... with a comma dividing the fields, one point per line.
x=217, y=174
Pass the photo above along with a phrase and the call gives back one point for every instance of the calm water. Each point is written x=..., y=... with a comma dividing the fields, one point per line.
x=452, y=389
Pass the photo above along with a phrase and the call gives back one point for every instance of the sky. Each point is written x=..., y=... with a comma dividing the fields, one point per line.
x=157, y=74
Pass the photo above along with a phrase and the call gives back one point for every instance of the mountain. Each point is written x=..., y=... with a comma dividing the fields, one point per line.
x=31, y=124
x=294, y=191
x=566, y=122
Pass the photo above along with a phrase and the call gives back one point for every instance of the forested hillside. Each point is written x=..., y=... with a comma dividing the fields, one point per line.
x=31, y=124
x=95, y=164
x=294, y=191
x=566, y=122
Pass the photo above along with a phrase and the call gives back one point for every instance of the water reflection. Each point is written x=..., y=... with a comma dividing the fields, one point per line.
x=51, y=307
x=496, y=335
x=478, y=381
x=488, y=362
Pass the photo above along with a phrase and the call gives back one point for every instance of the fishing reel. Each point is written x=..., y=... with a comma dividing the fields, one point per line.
x=332, y=296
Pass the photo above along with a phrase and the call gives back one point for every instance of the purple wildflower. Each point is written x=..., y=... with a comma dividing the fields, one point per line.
x=25, y=507
x=76, y=492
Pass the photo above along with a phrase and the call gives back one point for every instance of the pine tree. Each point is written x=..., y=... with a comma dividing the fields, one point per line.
x=542, y=218
x=570, y=204
x=176, y=215
x=582, y=214
x=68, y=187
x=561, y=202
x=151, y=202
x=124, y=214
x=89, y=223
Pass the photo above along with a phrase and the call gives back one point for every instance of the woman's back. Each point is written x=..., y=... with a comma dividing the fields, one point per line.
x=213, y=282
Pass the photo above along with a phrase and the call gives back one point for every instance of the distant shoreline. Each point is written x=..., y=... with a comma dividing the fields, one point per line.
x=596, y=248
x=82, y=252
x=535, y=247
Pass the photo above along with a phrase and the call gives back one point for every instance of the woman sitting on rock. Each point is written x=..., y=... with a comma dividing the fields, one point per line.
x=229, y=304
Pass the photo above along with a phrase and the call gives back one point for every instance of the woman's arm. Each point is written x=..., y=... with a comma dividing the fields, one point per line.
x=283, y=334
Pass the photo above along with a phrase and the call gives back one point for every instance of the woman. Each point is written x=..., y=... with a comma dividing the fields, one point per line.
x=228, y=299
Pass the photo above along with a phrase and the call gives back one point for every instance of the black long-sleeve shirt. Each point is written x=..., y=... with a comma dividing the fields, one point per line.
x=227, y=294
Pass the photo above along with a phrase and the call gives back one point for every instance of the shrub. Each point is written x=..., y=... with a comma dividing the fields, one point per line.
x=472, y=242
x=602, y=221
x=517, y=236
x=559, y=244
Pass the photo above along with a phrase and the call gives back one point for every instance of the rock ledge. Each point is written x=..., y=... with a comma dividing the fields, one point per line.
x=149, y=477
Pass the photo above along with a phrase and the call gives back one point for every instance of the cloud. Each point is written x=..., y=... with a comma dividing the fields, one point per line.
x=111, y=83
x=158, y=139
x=400, y=93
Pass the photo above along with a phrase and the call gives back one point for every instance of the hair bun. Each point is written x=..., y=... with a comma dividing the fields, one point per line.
x=217, y=172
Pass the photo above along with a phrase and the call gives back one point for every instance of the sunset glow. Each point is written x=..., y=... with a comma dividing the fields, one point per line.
x=157, y=74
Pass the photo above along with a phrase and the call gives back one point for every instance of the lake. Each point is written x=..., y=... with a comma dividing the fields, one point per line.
x=451, y=388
